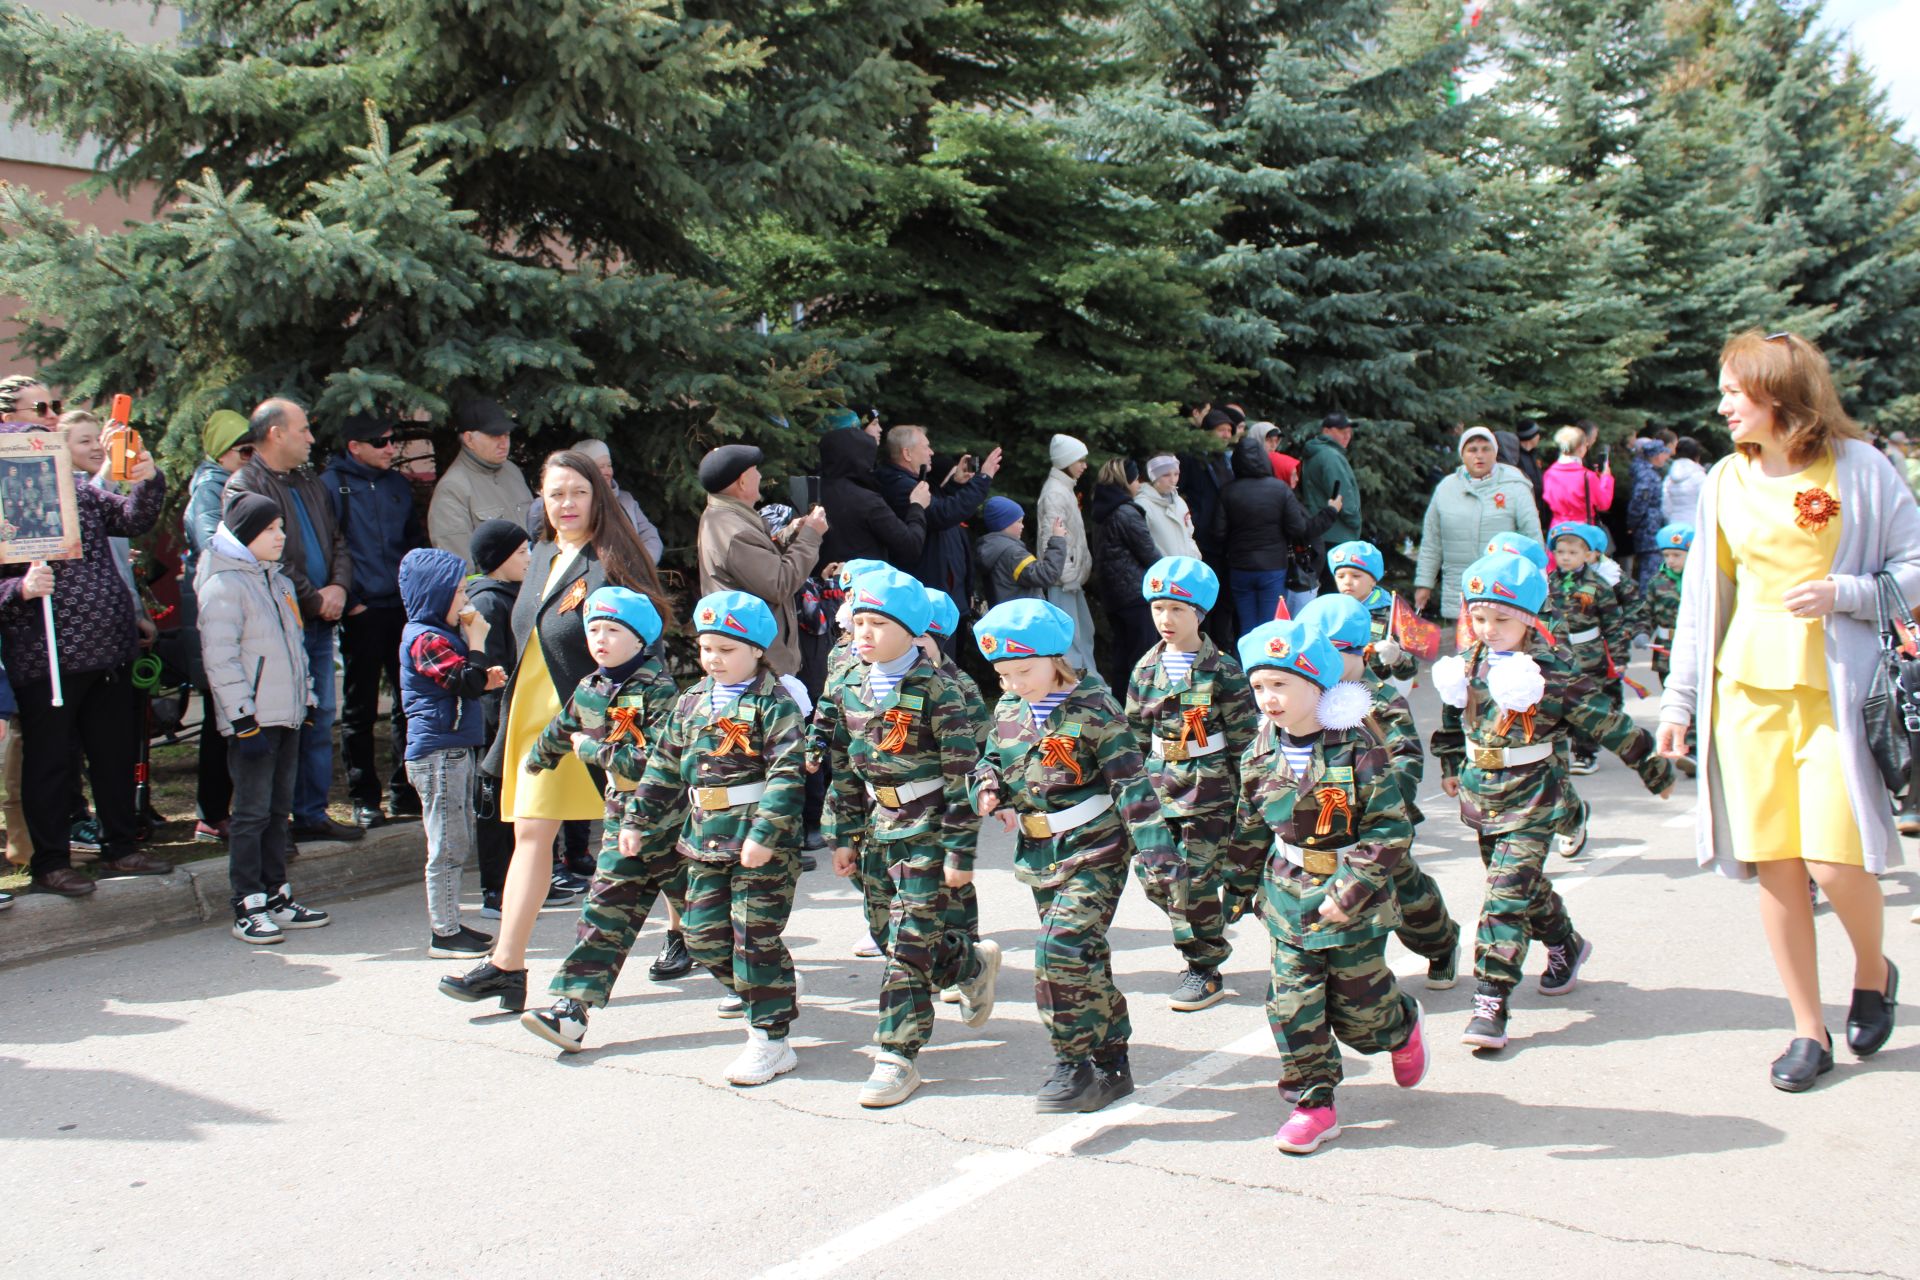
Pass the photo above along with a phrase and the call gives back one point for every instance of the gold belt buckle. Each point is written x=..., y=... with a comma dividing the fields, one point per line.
x=711, y=799
x=1319, y=862
x=887, y=796
x=1173, y=750
x=1035, y=826
x=1489, y=758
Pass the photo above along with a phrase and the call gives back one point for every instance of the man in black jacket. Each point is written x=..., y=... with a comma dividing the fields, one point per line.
x=1259, y=522
x=946, y=561
x=860, y=524
x=1202, y=477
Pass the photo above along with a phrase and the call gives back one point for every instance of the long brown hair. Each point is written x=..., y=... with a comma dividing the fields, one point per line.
x=1790, y=373
x=615, y=543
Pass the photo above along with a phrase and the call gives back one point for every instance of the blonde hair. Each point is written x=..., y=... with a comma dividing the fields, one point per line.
x=1570, y=441
x=1791, y=374
x=77, y=418
x=1063, y=670
x=1113, y=471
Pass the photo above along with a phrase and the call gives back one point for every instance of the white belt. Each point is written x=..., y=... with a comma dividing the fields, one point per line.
x=716, y=799
x=1584, y=637
x=1044, y=826
x=1663, y=633
x=1507, y=757
x=1324, y=861
x=1177, y=750
x=904, y=794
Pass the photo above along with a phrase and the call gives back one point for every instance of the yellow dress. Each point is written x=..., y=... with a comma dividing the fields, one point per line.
x=1773, y=731
x=566, y=792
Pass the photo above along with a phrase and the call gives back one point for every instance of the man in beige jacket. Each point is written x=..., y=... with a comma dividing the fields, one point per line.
x=738, y=554
x=481, y=484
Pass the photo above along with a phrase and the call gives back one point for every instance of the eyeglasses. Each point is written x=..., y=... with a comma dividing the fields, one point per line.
x=380, y=442
x=245, y=450
x=49, y=406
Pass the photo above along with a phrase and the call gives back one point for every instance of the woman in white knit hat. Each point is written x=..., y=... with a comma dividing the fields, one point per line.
x=1057, y=501
x=1167, y=516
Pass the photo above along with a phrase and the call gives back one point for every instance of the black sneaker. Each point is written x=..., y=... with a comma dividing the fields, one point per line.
x=808, y=862
x=1563, y=965
x=462, y=944
x=368, y=816
x=674, y=960
x=85, y=836
x=564, y=1025
x=489, y=905
x=253, y=923
x=1487, y=1029
x=405, y=804
x=1111, y=1082
x=1199, y=989
x=1065, y=1089
x=1443, y=971
x=485, y=982
x=1584, y=764
x=289, y=914
x=814, y=841
x=562, y=889
x=327, y=829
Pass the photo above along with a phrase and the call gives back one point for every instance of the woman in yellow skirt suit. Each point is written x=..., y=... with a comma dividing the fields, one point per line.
x=586, y=544
x=1772, y=651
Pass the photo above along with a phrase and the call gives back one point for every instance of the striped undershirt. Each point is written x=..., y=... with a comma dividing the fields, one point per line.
x=1298, y=751
x=1177, y=665
x=722, y=696
x=883, y=677
x=1041, y=708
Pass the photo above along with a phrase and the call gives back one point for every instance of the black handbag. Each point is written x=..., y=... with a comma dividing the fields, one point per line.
x=1891, y=712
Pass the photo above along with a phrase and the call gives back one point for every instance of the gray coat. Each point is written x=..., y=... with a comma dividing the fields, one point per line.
x=1880, y=530
x=251, y=638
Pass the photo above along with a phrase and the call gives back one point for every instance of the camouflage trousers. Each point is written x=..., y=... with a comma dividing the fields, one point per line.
x=1616, y=698
x=623, y=892
x=878, y=888
x=1520, y=907
x=1346, y=992
x=927, y=952
x=1426, y=927
x=1083, y=1011
x=1200, y=933
x=732, y=923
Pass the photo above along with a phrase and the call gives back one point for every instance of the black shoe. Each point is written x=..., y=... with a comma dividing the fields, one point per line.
x=368, y=816
x=1065, y=1089
x=1111, y=1082
x=484, y=982
x=564, y=1025
x=1870, y=1016
x=815, y=841
x=808, y=862
x=326, y=829
x=1563, y=965
x=462, y=944
x=565, y=887
x=1804, y=1062
x=405, y=804
x=1584, y=764
x=1487, y=1029
x=1199, y=989
x=674, y=960
x=581, y=866
x=489, y=905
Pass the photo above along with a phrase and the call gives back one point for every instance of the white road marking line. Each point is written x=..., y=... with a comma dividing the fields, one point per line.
x=982, y=1175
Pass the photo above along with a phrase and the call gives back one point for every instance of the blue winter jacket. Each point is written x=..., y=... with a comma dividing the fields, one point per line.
x=438, y=718
x=374, y=510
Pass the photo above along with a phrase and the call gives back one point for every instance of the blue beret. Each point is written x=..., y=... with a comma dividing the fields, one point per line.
x=1363, y=556
x=1675, y=537
x=628, y=608
x=943, y=617
x=1341, y=619
x=1182, y=579
x=1519, y=544
x=1291, y=646
x=736, y=615
x=891, y=594
x=1504, y=578
x=852, y=569
x=1024, y=629
x=1573, y=529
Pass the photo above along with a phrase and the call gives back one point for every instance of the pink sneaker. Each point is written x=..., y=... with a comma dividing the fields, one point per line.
x=1306, y=1129
x=1410, y=1060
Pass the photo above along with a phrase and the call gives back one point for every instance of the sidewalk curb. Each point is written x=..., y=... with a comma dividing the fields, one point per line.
x=195, y=893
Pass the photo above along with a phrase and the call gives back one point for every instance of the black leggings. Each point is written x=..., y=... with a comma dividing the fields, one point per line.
x=101, y=714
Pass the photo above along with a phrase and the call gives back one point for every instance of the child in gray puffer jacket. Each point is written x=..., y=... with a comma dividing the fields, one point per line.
x=253, y=645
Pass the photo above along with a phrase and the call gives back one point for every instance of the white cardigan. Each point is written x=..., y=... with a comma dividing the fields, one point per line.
x=1879, y=530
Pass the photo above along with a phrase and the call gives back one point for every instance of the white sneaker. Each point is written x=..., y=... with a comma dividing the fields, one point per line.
x=289, y=914
x=868, y=948
x=893, y=1081
x=976, y=993
x=732, y=1006
x=564, y=1025
x=762, y=1059
x=253, y=923
x=950, y=996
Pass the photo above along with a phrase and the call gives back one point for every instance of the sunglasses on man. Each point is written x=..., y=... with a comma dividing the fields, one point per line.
x=41, y=407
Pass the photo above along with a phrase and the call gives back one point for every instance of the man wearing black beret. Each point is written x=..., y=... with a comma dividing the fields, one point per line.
x=738, y=554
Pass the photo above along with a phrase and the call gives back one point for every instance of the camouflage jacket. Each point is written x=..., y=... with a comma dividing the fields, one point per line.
x=1534, y=796
x=759, y=738
x=1211, y=704
x=1585, y=602
x=620, y=721
x=1344, y=815
x=978, y=714
x=1406, y=754
x=1663, y=607
x=917, y=733
x=1085, y=750
x=1380, y=605
x=1633, y=606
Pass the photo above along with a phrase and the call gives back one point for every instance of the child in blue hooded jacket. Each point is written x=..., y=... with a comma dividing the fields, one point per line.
x=440, y=689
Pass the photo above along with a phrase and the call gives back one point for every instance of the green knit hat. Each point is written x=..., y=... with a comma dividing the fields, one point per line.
x=224, y=429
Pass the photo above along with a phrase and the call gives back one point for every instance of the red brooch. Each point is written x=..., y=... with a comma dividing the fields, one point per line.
x=1813, y=508
x=1500, y=501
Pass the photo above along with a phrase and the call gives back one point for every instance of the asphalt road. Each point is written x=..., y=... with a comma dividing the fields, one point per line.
x=191, y=1106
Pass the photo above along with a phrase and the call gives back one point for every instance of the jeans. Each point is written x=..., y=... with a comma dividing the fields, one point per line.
x=444, y=780
x=101, y=714
x=370, y=652
x=1255, y=593
x=315, y=777
x=262, y=794
x=1296, y=601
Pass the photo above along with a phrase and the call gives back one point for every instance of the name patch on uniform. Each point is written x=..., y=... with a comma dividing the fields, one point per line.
x=1339, y=773
x=1071, y=729
x=1197, y=698
x=912, y=701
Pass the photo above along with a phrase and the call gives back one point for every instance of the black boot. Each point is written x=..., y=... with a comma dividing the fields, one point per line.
x=1805, y=1061
x=484, y=982
x=1487, y=1029
x=1111, y=1082
x=1870, y=1017
x=1065, y=1089
x=673, y=961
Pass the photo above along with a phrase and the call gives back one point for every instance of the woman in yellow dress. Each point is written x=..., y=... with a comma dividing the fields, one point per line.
x=585, y=544
x=1773, y=651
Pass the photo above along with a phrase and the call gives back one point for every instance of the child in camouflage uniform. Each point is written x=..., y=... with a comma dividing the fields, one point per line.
x=1426, y=928
x=943, y=619
x=1190, y=706
x=876, y=891
x=902, y=749
x=1663, y=607
x=733, y=750
x=1063, y=769
x=1598, y=630
x=1503, y=702
x=608, y=722
x=1357, y=569
x=1320, y=807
